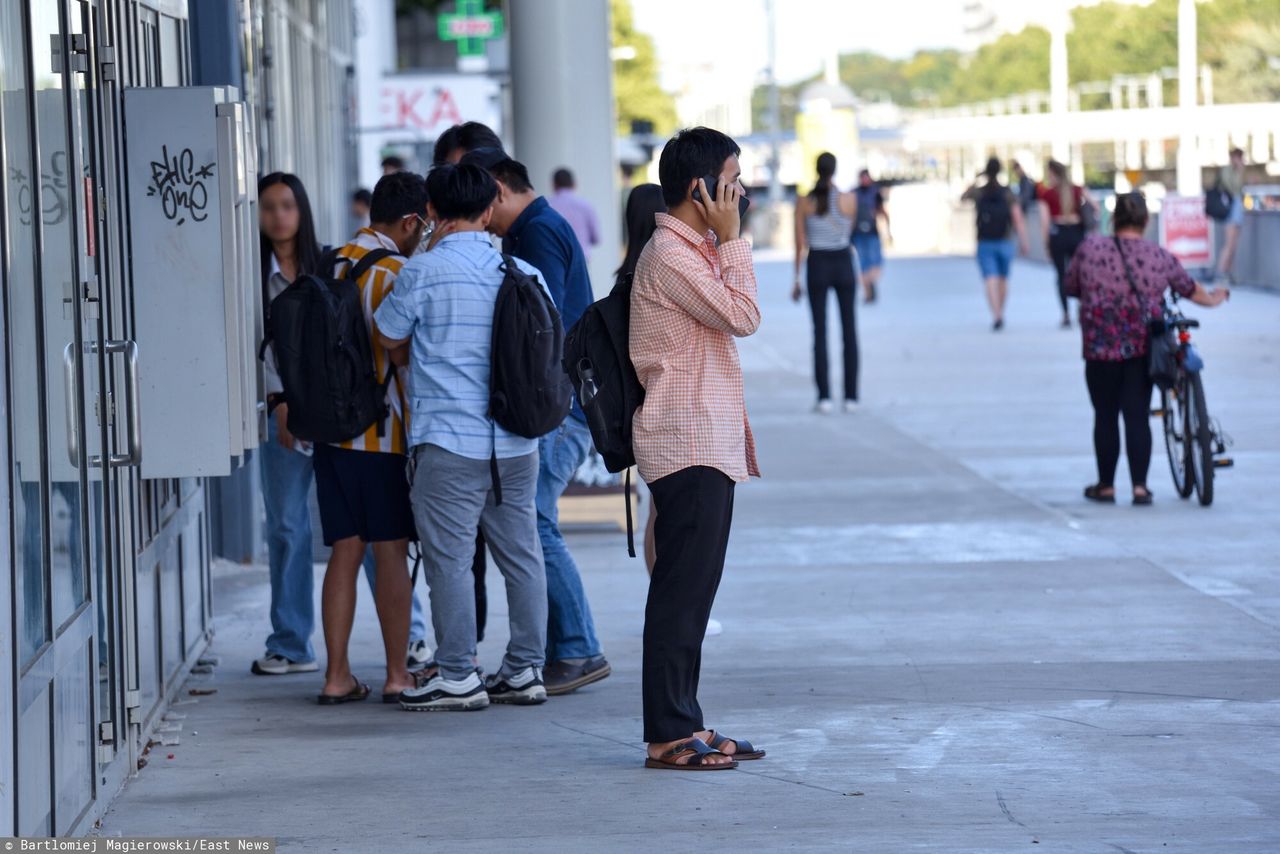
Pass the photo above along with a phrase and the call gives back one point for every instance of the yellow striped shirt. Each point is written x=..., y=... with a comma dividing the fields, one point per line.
x=374, y=287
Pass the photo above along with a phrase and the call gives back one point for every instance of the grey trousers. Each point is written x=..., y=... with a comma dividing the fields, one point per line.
x=452, y=498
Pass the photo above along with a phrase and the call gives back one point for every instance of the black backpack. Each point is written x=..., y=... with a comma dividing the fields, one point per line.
x=529, y=395
x=995, y=216
x=597, y=358
x=1217, y=203
x=316, y=327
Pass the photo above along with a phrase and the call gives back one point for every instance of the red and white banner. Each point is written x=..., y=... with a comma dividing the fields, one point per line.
x=422, y=106
x=1186, y=231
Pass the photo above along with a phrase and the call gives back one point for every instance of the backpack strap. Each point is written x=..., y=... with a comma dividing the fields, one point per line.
x=631, y=528
x=366, y=263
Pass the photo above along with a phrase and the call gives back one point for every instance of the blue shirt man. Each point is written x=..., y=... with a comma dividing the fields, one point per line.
x=536, y=233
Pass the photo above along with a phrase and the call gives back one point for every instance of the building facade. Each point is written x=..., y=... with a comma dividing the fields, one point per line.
x=108, y=602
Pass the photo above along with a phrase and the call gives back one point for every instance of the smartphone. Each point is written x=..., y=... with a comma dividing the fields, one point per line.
x=713, y=182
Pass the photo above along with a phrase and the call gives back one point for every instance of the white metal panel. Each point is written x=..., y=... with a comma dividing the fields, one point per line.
x=179, y=272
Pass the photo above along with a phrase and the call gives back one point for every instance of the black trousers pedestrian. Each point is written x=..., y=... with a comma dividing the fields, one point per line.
x=695, y=510
x=1064, y=240
x=1116, y=389
x=832, y=269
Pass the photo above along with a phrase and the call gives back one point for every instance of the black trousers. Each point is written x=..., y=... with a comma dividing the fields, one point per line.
x=1116, y=389
x=695, y=509
x=832, y=269
x=1064, y=240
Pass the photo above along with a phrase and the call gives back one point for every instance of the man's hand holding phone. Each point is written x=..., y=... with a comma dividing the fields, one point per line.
x=722, y=214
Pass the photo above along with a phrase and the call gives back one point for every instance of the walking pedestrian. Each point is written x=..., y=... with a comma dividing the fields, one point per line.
x=1231, y=179
x=443, y=307
x=1062, y=225
x=823, y=221
x=694, y=291
x=871, y=212
x=360, y=483
x=1023, y=187
x=999, y=220
x=1120, y=282
x=534, y=232
x=575, y=209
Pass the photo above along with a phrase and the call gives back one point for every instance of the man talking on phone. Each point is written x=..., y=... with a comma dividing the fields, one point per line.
x=694, y=291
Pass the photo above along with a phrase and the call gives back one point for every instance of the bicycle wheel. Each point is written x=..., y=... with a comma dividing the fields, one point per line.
x=1199, y=439
x=1175, y=444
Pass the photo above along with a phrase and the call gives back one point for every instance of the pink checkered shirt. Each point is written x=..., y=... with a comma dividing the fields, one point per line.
x=689, y=300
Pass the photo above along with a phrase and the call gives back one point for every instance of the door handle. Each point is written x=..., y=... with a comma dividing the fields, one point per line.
x=72, y=393
x=133, y=454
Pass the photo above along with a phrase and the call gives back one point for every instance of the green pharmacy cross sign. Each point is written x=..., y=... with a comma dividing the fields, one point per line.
x=470, y=26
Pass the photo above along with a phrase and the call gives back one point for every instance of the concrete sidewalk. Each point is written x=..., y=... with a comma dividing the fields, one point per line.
x=940, y=644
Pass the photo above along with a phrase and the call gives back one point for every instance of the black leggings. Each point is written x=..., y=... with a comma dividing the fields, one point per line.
x=1063, y=242
x=1118, y=388
x=827, y=269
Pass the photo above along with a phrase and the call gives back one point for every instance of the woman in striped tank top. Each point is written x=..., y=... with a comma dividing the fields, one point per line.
x=824, y=221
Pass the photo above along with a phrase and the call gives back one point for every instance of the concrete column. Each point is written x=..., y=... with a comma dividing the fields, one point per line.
x=375, y=57
x=562, y=92
x=1059, y=81
x=1188, y=159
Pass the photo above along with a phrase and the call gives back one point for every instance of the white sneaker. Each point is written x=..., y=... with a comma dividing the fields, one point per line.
x=446, y=695
x=277, y=665
x=419, y=655
x=714, y=628
x=824, y=407
x=850, y=406
x=521, y=689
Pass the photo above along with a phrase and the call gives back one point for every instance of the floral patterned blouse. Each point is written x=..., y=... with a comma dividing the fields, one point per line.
x=1113, y=323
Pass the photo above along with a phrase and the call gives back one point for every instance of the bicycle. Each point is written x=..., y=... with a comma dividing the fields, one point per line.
x=1193, y=441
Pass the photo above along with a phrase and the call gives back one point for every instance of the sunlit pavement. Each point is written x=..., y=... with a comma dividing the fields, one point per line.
x=940, y=644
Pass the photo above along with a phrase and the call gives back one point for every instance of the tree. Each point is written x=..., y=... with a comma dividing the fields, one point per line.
x=636, y=92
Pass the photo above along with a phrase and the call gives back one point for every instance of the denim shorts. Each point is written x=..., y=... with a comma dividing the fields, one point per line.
x=995, y=257
x=1236, y=215
x=870, y=253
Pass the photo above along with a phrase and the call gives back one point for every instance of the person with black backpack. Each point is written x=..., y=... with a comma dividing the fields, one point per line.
x=486, y=382
x=360, y=480
x=534, y=231
x=999, y=219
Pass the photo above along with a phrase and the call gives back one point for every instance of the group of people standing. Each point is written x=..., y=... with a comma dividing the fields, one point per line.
x=440, y=470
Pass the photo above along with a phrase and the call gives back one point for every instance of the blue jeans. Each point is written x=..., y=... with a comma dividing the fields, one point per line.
x=570, y=630
x=286, y=483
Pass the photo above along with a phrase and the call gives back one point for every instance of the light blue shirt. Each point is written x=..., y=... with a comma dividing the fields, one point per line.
x=443, y=300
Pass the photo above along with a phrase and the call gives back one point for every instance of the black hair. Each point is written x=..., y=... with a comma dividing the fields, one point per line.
x=643, y=203
x=393, y=161
x=460, y=191
x=468, y=136
x=821, y=192
x=562, y=179
x=307, y=247
x=512, y=173
x=397, y=195
x=691, y=154
x=992, y=171
x=1131, y=211
x=362, y=196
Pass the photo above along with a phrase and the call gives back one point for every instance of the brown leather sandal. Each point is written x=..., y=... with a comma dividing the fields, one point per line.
x=697, y=752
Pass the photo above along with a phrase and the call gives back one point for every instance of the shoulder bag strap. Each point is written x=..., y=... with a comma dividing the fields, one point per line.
x=1128, y=273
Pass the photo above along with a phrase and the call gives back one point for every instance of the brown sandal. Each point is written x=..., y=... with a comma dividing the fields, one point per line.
x=697, y=751
x=742, y=750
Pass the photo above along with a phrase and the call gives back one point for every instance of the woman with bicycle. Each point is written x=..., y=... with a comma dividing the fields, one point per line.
x=1120, y=282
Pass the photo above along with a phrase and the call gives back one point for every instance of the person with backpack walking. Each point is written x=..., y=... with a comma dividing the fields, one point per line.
x=870, y=213
x=693, y=294
x=289, y=251
x=999, y=219
x=1120, y=282
x=470, y=471
x=823, y=221
x=1062, y=211
x=360, y=482
x=533, y=231
x=1231, y=180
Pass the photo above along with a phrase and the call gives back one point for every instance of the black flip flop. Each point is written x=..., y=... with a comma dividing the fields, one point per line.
x=355, y=695
x=1095, y=493
x=742, y=750
x=1143, y=500
x=697, y=751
